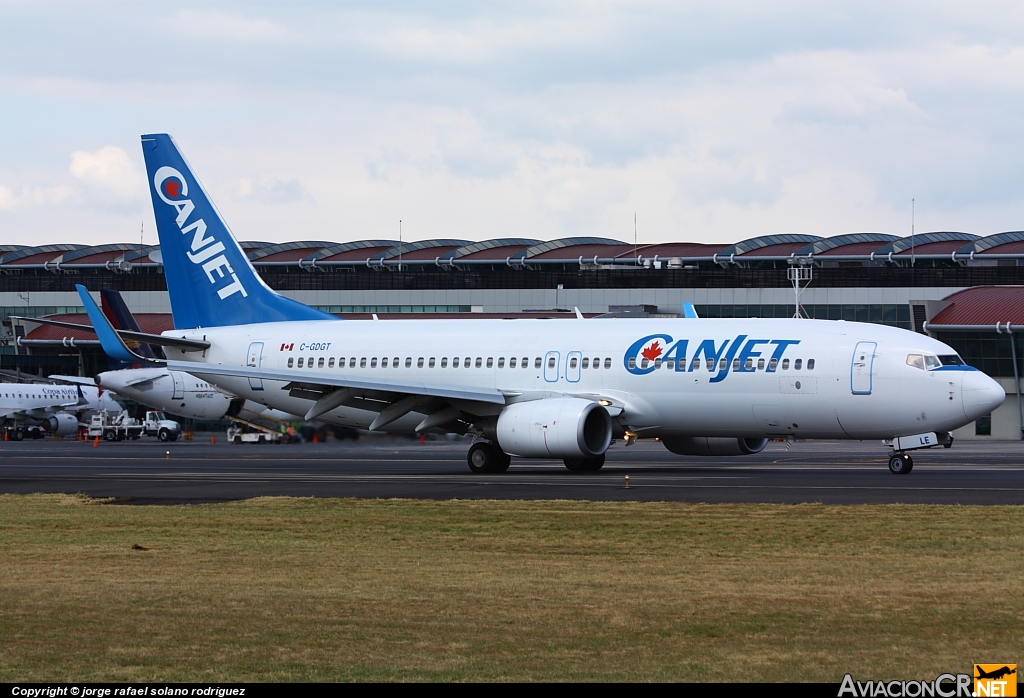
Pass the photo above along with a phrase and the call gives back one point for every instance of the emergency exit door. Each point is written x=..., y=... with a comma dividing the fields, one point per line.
x=255, y=361
x=861, y=368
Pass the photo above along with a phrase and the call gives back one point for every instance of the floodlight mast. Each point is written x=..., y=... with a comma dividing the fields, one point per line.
x=800, y=274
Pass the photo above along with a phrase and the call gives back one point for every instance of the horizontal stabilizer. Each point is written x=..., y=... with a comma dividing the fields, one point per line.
x=157, y=339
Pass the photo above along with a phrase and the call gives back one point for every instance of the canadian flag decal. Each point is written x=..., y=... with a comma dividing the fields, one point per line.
x=287, y=347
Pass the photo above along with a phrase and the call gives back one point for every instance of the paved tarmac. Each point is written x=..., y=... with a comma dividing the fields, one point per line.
x=146, y=472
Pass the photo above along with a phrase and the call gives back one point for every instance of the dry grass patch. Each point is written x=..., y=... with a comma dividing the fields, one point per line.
x=326, y=589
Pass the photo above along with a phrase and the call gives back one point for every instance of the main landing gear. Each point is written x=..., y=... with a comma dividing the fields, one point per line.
x=487, y=458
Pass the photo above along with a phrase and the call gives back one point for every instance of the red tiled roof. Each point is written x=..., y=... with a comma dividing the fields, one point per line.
x=858, y=248
x=286, y=255
x=784, y=248
x=1006, y=248
x=983, y=305
x=574, y=252
x=150, y=323
x=498, y=253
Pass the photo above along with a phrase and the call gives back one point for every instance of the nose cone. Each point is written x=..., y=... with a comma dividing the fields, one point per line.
x=980, y=394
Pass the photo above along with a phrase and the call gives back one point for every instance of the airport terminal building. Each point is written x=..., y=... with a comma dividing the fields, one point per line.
x=960, y=288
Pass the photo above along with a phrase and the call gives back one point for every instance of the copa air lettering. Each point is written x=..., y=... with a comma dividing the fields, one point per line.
x=172, y=188
x=642, y=356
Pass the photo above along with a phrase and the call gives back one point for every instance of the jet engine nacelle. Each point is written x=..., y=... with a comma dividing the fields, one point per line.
x=711, y=446
x=62, y=423
x=554, y=428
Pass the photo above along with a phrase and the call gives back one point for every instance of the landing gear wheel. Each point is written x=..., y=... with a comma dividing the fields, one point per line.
x=485, y=458
x=584, y=465
x=900, y=463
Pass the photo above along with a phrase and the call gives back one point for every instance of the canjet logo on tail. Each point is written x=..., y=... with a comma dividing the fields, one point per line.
x=741, y=355
x=208, y=252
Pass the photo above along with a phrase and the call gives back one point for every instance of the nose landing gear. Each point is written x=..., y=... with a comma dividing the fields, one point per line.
x=900, y=463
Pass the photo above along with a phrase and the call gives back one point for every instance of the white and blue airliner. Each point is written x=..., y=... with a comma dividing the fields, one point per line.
x=533, y=388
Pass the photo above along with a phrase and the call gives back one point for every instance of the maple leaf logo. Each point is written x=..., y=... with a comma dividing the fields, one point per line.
x=652, y=352
x=172, y=188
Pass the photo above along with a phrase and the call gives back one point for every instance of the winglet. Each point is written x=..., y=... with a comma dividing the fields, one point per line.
x=112, y=344
x=579, y=315
x=688, y=310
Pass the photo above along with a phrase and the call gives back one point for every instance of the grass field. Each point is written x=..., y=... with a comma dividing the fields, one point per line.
x=319, y=589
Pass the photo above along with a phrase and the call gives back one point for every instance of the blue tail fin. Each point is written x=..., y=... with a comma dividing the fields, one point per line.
x=209, y=279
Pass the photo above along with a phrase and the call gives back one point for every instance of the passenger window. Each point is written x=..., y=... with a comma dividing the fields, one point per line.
x=362, y=362
x=670, y=364
x=467, y=362
x=785, y=364
x=526, y=362
x=479, y=362
x=455, y=362
x=444, y=362
x=408, y=362
x=537, y=362
x=384, y=362
x=695, y=365
x=309, y=362
x=797, y=364
x=586, y=363
x=810, y=364
x=373, y=362
x=291, y=361
x=735, y=364
x=760, y=364
x=607, y=363
x=394, y=362
x=490, y=362
x=301, y=361
x=512, y=362
x=657, y=363
x=749, y=364
x=722, y=364
x=632, y=362
x=352, y=362
x=419, y=362
x=773, y=364
x=572, y=362
x=430, y=364
x=501, y=362
x=551, y=362
x=330, y=363
x=320, y=362
x=644, y=362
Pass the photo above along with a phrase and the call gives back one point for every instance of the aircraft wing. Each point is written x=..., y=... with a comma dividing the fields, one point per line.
x=393, y=399
x=73, y=379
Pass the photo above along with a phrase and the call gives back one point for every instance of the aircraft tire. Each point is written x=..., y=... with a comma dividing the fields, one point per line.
x=584, y=465
x=900, y=463
x=485, y=458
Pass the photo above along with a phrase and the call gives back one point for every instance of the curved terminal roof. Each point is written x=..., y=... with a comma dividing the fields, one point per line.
x=1000, y=243
x=574, y=248
x=983, y=306
x=562, y=250
x=770, y=245
x=928, y=243
x=851, y=243
x=496, y=249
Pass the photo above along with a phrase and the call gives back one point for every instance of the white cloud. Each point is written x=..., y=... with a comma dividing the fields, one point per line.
x=109, y=170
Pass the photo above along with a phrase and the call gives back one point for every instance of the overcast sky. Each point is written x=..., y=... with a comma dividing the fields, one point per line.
x=711, y=121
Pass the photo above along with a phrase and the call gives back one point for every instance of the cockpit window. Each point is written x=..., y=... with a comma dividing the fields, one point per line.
x=951, y=360
x=925, y=362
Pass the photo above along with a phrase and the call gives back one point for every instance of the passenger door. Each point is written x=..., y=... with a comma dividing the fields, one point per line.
x=255, y=360
x=551, y=360
x=861, y=367
x=572, y=366
x=179, y=385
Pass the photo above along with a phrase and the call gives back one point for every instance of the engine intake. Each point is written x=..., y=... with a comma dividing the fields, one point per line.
x=62, y=423
x=711, y=446
x=554, y=428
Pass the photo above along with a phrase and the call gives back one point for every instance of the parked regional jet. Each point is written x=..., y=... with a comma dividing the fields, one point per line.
x=541, y=388
x=56, y=408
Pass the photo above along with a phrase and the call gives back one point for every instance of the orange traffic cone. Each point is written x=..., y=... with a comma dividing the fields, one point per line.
x=213, y=439
x=96, y=442
x=315, y=439
x=423, y=439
